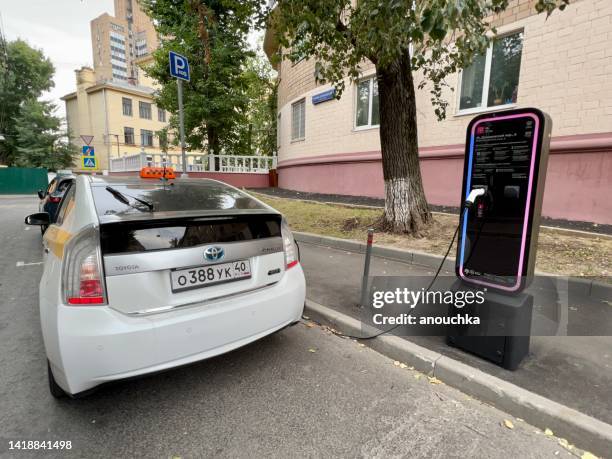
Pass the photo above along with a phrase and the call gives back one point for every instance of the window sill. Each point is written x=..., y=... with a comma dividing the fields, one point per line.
x=366, y=128
x=479, y=110
x=298, y=140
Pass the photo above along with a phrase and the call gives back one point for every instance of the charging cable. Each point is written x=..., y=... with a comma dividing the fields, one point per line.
x=467, y=205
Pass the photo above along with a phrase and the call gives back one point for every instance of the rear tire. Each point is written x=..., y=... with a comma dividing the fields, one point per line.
x=54, y=388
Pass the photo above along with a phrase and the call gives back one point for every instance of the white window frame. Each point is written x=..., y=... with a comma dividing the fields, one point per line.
x=485, y=84
x=293, y=105
x=371, y=79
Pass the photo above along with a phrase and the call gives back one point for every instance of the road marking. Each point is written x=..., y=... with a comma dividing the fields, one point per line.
x=19, y=264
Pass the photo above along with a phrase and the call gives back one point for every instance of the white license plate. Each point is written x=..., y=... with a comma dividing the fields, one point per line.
x=204, y=276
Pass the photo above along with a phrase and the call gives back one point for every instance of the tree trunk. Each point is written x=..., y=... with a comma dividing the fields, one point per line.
x=406, y=208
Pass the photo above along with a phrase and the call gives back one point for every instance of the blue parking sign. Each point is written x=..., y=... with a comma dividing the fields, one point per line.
x=88, y=150
x=179, y=66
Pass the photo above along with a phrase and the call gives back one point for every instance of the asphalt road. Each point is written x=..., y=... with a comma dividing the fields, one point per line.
x=274, y=398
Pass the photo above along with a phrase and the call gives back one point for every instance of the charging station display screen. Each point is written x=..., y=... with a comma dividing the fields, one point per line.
x=502, y=159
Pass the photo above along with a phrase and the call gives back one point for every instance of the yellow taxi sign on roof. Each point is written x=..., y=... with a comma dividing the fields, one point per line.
x=157, y=172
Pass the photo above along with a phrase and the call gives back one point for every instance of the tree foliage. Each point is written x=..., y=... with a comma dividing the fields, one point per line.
x=212, y=34
x=40, y=140
x=24, y=74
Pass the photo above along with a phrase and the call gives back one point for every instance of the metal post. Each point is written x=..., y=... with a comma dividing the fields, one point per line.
x=179, y=85
x=366, y=269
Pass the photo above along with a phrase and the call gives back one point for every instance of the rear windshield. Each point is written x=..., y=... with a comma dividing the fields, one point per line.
x=181, y=233
x=170, y=198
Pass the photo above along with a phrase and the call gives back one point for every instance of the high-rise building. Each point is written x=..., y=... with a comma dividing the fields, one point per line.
x=118, y=41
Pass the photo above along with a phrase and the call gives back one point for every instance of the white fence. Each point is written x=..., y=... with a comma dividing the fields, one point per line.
x=195, y=163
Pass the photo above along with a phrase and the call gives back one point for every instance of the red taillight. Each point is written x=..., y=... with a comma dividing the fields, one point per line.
x=54, y=199
x=83, y=277
x=289, y=246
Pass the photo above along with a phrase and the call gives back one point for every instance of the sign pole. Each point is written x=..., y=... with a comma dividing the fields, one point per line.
x=179, y=85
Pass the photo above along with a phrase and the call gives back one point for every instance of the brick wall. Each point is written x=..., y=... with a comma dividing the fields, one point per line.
x=566, y=70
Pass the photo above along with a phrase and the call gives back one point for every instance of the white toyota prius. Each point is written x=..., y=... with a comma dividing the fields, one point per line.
x=142, y=275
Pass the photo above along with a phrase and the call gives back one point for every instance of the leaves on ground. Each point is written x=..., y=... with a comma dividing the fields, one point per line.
x=313, y=350
x=548, y=432
x=567, y=445
x=587, y=455
x=434, y=380
x=508, y=423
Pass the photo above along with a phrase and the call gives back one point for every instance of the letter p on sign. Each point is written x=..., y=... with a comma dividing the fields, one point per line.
x=179, y=66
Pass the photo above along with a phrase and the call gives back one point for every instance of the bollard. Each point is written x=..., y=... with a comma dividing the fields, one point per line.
x=366, y=268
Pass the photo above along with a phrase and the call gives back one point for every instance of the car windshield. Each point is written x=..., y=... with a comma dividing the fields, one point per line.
x=177, y=197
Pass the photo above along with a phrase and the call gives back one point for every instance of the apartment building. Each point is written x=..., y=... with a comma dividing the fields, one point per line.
x=119, y=41
x=561, y=64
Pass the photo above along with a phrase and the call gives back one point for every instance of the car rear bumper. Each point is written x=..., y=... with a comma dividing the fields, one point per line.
x=99, y=344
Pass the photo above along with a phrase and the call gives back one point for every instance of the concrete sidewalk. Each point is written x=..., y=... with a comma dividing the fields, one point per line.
x=574, y=371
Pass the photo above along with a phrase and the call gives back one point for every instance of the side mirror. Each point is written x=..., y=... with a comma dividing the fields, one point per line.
x=40, y=218
x=41, y=194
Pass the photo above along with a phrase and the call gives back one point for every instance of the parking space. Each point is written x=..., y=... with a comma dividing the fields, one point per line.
x=300, y=392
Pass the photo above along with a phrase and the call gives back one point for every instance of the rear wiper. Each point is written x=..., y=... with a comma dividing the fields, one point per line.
x=122, y=198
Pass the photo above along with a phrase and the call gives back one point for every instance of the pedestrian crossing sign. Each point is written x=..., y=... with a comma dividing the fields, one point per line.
x=89, y=162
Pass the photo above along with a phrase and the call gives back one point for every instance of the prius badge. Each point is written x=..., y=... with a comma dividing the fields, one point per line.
x=214, y=253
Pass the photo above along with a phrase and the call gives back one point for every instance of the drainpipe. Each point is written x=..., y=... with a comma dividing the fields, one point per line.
x=106, y=131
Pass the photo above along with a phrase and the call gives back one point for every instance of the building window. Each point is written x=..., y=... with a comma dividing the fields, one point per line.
x=367, y=113
x=127, y=106
x=144, y=108
x=161, y=115
x=492, y=79
x=128, y=135
x=298, y=120
x=146, y=138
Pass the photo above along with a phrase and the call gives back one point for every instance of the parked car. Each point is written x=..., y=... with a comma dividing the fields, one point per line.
x=142, y=275
x=52, y=196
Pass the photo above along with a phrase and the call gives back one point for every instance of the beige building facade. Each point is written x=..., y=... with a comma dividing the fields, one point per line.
x=122, y=118
x=561, y=64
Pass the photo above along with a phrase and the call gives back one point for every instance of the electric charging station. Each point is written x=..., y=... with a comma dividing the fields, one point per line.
x=504, y=172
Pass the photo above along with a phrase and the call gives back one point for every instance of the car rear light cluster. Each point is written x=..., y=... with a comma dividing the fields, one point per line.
x=55, y=199
x=82, y=273
x=289, y=246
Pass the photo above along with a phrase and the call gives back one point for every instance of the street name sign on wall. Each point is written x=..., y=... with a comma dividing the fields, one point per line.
x=179, y=66
x=324, y=96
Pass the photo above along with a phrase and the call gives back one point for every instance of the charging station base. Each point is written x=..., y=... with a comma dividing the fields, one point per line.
x=504, y=332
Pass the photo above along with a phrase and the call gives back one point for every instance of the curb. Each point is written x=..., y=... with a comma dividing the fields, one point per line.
x=584, y=287
x=539, y=411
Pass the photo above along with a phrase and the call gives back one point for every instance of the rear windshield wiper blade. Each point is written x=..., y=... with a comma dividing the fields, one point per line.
x=122, y=198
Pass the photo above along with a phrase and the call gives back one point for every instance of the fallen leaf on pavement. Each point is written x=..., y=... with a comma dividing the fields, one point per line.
x=396, y=363
x=508, y=424
x=403, y=365
x=548, y=432
x=587, y=455
x=434, y=380
x=306, y=317
x=567, y=445
x=312, y=350
x=418, y=376
x=310, y=325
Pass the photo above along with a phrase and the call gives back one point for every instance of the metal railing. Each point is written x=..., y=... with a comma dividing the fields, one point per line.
x=195, y=163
